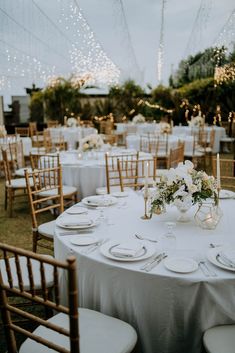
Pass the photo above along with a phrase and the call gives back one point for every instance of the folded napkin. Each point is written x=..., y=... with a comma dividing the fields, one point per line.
x=127, y=250
x=100, y=201
x=79, y=221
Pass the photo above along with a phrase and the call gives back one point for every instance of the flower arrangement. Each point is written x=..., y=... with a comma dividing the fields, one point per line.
x=196, y=121
x=2, y=131
x=72, y=122
x=183, y=184
x=165, y=128
x=138, y=119
x=90, y=142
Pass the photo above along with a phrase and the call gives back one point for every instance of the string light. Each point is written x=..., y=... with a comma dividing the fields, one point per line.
x=155, y=106
x=224, y=74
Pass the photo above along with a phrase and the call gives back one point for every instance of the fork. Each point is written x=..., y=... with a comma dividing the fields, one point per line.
x=155, y=262
x=206, y=270
x=138, y=236
x=95, y=246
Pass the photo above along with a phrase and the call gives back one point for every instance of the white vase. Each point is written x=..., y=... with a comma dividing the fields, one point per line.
x=183, y=206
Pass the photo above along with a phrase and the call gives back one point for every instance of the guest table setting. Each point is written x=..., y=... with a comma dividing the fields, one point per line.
x=160, y=273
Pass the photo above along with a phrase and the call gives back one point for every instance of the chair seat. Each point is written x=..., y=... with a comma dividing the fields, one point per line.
x=47, y=229
x=195, y=154
x=20, y=172
x=36, y=150
x=37, y=138
x=98, y=333
x=25, y=276
x=18, y=183
x=220, y=339
x=67, y=190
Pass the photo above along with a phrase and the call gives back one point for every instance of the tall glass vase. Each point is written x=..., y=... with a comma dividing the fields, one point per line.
x=183, y=207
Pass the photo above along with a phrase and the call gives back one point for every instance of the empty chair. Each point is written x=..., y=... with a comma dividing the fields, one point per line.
x=227, y=172
x=22, y=131
x=112, y=172
x=14, y=187
x=45, y=193
x=72, y=329
x=17, y=158
x=133, y=173
x=51, y=160
x=176, y=156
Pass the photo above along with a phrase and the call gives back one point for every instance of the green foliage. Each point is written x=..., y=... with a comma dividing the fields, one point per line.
x=36, y=107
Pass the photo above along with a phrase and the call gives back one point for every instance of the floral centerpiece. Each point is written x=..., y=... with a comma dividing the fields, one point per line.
x=185, y=185
x=138, y=119
x=196, y=121
x=90, y=142
x=165, y=128
x=2, y=131
x=71, y=122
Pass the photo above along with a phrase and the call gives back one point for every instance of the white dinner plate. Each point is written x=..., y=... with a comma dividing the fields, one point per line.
x=181, y=264
x=69, y=222
x=226, y=194
x=99, y=200
x=106, y=250
x=76, y=210
x=83, y=240
x=120, y=194
x=212, y=256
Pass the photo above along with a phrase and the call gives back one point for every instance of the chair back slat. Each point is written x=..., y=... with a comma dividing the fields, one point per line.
x=18, y=272
x=56, y=286
x=8, y=268
x=30, y=274
x=227, y=172
x=20, y=290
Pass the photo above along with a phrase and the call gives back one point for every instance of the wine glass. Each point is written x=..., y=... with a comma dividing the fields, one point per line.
x=169, y=239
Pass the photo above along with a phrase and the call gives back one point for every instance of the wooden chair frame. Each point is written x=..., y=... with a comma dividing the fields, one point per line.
x=47, y=179
x=132, y=173
x=176, y=156
x=22, y=131
x=227, y=172
x=112, y=171
x=7, y=309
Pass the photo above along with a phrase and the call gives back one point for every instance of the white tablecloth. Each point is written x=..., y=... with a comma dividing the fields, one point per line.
x=170, y=311
x=72, y=135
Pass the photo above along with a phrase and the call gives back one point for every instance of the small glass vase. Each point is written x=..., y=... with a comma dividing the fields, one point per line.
x=208, y=215
x=183, y=206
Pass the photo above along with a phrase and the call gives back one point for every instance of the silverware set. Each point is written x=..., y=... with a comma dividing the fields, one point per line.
x=153, y=262
x=78, y=232
x=206, y=270
x=94, y=246
x=139, y=236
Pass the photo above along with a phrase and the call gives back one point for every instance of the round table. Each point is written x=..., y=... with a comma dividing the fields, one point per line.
x=169, y=310
x=72, y=135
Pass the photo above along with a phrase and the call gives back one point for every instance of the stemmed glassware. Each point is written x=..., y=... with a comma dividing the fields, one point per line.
x=169, y=239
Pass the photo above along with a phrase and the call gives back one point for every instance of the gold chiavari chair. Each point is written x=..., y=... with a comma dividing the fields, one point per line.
x=14, y=187
x=17, y=158
x=106, y=127
x=52, y=160
x=52, y=123
x=227, y=172
x=132, y=173
x=22, y=131
x=176, y=156
x=53, y=142
x=197, y=153
x=112, y=172
x=45, y=193
x=60, y=333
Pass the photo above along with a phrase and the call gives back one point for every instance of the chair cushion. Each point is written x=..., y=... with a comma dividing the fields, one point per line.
x=47, y=229
x=98, y=333
x=36, y=150
x=220, y=339
x=18, y=183
x=20, y=172
x=67, y=190
x=25, y=276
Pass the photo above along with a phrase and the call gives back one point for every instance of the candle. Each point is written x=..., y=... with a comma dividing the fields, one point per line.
x=146, y=181
x=218, y=171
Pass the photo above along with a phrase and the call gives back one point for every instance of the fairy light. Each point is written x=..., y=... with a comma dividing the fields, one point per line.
x=224, y=74
x=155, y=106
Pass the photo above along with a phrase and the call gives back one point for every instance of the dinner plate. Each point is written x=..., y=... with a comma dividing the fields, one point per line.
x=83, y=240
x=70, y=223
x=181, y=264
x=106, y=250
x=213, y=257
x=76, y=210
x=226, y=194
x=99, y=201
x=120, y=194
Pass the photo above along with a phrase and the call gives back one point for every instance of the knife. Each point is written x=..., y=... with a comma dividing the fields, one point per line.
x=155, y=263
x=150, y=261
x=95, y=246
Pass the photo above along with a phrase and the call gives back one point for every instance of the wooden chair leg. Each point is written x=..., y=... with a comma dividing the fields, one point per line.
x=6, y=198
x=35, y=240
x=11, y=197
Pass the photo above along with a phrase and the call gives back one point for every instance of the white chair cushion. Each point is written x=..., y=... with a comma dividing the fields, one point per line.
x=67, y=190
x=18, y=183
x=36, y=138
x=20, y=172
x=220, y=339
x=47, y=229
x=25, y=275
x=36, y=150
x=98, y=333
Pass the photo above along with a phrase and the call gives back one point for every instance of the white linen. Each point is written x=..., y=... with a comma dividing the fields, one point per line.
x=72, y=135
x=169, y=310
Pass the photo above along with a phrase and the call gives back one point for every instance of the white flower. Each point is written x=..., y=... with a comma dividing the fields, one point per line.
x=138, y=119
x=91, y=141
x=71, y=122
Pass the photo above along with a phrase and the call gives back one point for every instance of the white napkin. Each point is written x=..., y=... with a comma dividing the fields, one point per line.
x=100, y=201
x=78, y=221
x=127, y=250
